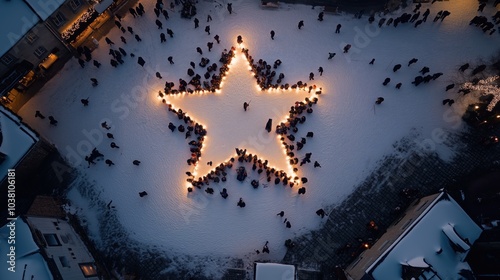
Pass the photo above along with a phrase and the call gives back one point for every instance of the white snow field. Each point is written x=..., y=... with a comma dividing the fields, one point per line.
x=351, y=134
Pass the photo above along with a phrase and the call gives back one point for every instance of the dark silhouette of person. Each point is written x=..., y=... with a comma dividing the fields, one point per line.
x=321, y=213
x=53, y=121
x=39, y=115
x=301, y=24
x=105, y=125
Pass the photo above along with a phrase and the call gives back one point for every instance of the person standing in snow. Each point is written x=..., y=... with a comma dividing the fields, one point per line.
x=81, y=62
x=230, y=8
x=241, y=203
x=170, y=32
x=272, y=34
x=207, y=29
x=97, y=64
x=53, y=121
x=320, y=70
x=265, y=249
x=39, y=115
x=159, y=24
x=320, y=16
x=132, y=12
x=141, y=61
x=110, y=43
x=301, y=24
x=346, y=48
x=223, y=193
x=337, y=30
x=321, y=213
x=105, y=125
x=196, y=23
x=170, y=60
x=216, y=37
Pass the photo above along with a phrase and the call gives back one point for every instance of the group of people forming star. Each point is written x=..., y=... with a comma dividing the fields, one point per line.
x=191, y=127
x=212, y=78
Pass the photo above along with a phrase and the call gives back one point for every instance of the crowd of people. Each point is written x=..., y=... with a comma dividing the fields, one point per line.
x=212, y=77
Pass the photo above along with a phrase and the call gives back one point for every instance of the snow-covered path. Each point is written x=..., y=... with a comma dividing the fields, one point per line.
x=351, y=135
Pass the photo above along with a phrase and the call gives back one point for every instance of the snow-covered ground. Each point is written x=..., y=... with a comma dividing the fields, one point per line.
x=350, y=133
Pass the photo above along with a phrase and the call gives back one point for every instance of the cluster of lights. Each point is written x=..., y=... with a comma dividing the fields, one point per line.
x=486, y=87
x=81, y=21
x=285, y=120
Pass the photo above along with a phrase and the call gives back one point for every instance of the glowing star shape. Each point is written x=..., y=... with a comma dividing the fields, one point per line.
x=229, y=126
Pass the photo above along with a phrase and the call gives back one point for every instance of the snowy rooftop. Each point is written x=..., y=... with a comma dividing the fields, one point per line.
x=443, y=227
x=267, y=271
x=17, y=140
x=28, y=260
x=44, y=8
x=16, y=19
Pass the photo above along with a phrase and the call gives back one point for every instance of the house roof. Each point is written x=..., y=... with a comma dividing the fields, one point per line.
x=45, y=206
x=17, y=140
x=44, y=8
x=265, y=271
x=436, y=237
x=28, y=259
x=16, y=19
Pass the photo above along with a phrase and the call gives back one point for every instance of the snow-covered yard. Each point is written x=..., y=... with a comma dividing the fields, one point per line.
x=350, y=133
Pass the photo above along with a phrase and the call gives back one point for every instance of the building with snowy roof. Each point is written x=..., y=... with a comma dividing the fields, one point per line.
x=26, y=41
x=430, y=241
x=26, y=259
x=36, y=35
x=264, y=271
x=45, y=246
x=16, y=141
x=23, y=155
